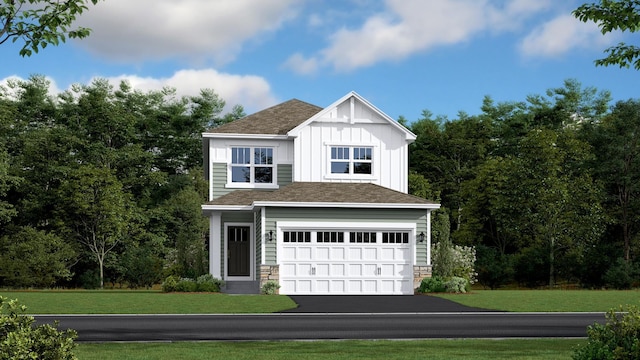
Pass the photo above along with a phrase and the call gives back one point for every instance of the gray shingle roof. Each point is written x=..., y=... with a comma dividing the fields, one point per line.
x=321, y=192
x=276, y=120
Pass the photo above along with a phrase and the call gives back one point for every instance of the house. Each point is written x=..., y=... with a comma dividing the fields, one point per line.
x=316, y=199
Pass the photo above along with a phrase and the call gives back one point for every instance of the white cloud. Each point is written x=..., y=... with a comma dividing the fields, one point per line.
x=407, y=27
x=252, y=92
x=562, y=35
x=301, y=65
x=197, y=30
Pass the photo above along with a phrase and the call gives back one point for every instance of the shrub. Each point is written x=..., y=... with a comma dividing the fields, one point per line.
x=494, y=269
x=170, y=284
x=186, y=285
x=618, y=339
x=270, y=287
x=620, y=276
x=20, y=339
x=204, y=283
x=207, y=283
x=454, y=260
x=432, y=285
x=456, y=285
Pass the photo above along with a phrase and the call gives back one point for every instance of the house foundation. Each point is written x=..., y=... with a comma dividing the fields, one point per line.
x=419, y=273
x=269, y=272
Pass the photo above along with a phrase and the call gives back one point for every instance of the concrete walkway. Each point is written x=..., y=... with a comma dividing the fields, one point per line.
x=377, y=304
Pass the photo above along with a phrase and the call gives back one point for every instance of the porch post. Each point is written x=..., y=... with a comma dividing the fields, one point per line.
x=215, y=241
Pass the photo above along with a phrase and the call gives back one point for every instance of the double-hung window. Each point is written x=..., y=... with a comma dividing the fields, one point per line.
x=252, y=165
x=352, y=160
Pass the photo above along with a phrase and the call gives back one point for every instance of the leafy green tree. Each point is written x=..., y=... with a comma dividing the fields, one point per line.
x=34, y=258
x=446, y=154
x=614, y=15
x=98, y=211
x=7, y=210
x=558, y=206
x=185, y=228
x=39, y=23
x=617, y=166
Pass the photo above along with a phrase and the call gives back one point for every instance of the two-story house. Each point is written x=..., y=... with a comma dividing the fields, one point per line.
x=316, y=199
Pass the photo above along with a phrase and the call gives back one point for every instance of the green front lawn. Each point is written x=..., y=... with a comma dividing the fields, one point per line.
x=547, y=300
x=155, y=302
x=351, y=349
x=146, y=302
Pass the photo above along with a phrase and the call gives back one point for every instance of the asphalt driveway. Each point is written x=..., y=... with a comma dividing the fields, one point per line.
x=376, y=304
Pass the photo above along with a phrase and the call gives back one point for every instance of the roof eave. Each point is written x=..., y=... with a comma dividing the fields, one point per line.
x=209, y=207
x=245, y=136
x=347, y=205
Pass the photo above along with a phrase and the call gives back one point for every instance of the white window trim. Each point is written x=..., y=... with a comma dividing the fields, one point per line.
x=251, y=185
x=375, y=155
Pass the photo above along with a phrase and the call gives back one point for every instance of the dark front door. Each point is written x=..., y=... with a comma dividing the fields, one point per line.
x=238, y=251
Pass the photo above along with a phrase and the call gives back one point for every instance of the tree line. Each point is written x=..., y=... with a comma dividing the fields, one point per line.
x=547, y=189
x=102, y=183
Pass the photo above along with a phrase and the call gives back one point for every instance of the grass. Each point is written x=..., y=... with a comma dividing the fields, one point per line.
x=155, y=302
x=145, y=302
x=547, y=300
x=351, y=349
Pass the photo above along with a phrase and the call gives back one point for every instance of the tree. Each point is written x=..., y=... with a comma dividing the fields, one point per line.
x=558, y=204
x=41, y=22
x=610, y=15
x=617, y=165
x=98, y=211
x=7, y=210
x=34, y=258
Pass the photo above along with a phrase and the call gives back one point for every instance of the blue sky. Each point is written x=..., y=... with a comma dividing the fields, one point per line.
x=404, y=56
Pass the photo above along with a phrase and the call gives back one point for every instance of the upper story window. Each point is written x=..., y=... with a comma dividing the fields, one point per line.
x=351, y=160
x=252, y=165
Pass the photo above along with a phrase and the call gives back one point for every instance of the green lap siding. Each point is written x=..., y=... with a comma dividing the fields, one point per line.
x=342, y=217
x=219, y=176
x=285, y=174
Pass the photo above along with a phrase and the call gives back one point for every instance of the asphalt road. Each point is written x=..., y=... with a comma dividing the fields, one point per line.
x=306, y=326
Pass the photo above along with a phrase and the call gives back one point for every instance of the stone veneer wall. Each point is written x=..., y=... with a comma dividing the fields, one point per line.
x=419, y=273
x=269, y=272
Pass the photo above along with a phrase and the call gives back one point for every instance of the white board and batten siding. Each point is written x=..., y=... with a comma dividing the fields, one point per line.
x=345, y=268
x=366, y=129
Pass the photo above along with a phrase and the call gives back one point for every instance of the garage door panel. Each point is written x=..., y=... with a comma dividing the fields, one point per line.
x=303, y=253
x=304, y=269
x=388, y=253
x=338, y=253
x=370, y=254
x=370, y=286
x=322, y=253
x=355, y=253
x=323, y=286
x=356, y=270
x=338, y=269
x=338, y=286
x=323, y=270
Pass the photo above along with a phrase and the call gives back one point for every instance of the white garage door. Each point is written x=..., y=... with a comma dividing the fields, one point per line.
x=345, y=262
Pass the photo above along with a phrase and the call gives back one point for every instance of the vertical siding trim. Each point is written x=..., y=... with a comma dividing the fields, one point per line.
x=215, y=256
x=263, y=216
x=428, y=237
